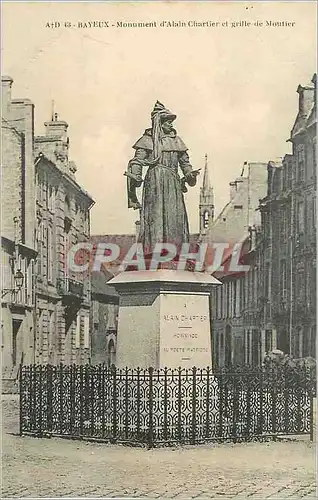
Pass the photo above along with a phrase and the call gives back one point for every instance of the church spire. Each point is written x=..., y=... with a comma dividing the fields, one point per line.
x=206, y=206
x=206, y=179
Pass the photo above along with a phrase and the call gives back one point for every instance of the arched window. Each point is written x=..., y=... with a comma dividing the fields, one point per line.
x=206, y=218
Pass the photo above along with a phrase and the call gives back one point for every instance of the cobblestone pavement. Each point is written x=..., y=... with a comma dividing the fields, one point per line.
x=56, y=467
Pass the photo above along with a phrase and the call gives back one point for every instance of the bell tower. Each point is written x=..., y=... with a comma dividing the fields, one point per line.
x=206, y=206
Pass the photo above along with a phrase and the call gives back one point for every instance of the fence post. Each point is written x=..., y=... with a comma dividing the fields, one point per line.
x=49, y=397
x=40, y=392
x=92, y=398
x=165, y=405
x=21, y=399
x=235, y=404
x=126, y=403
x=207, y=403
x=221, y=376
x=32, y=410
x=114, y=426
x=286, y=407
x=179, y=406
x=61, y=399
x=102, y=373
x=81, y=400
x=150, y=433
x=72, y=397
x=249, y=383
x=277, y=381
x=138, y=403
x=311, y=415
x=261, y=395
x=193, y=423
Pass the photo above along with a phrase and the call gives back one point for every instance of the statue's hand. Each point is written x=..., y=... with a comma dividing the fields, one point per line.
x=135, y=205
x=191, y=178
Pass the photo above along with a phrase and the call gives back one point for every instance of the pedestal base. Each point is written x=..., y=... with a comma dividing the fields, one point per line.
x=164, y=319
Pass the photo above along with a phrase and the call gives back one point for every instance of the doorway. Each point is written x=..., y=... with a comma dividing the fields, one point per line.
x=16, y=324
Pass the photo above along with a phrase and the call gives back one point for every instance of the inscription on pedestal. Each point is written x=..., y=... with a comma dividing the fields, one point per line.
x=185, y=338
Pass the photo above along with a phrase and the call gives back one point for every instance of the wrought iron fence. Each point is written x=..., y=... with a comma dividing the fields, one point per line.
x=164, y=406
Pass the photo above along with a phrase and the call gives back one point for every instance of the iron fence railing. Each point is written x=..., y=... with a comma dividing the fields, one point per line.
x=164, y=406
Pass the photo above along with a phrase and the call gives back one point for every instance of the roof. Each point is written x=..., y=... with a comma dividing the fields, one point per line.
x=68, y=178
x=99, y=285
x=227, y=257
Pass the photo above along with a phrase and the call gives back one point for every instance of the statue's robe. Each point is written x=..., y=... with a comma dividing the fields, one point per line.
x=163, y=213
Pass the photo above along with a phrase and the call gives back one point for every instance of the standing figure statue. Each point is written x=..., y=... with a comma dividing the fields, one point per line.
x=163, y=213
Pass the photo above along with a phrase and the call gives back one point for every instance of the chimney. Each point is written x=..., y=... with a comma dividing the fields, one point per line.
x=6, y=85
x=306, y=99
x=56, y=127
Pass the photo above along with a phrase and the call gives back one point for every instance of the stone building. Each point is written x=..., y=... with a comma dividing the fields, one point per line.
x=62, y=219
x=232, y=336
x=18, y=247
x=104, y=313
x=44, y=308
x=288, y=245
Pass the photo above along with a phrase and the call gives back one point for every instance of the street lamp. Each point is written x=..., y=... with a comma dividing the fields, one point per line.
x=18, y=284
x=19, y=279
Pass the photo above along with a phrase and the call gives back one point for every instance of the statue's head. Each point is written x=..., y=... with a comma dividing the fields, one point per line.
x=164, y=115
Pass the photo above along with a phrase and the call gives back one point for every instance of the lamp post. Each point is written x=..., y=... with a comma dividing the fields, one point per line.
x=18, y=284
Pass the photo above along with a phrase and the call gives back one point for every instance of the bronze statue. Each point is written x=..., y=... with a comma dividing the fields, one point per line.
x=163, y=213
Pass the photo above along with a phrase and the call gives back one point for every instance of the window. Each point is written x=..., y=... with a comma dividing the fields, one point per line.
x=268, y=341
x=86, y=332
x=78, y=331
x=111, y=317
x=283, y=230
x=51, y=199
x=256, y=347
x=300, y=217
x=86, y=223
x=206, y=217
x=301, y=162
x=298, y=343
x=283, y=279
x=289, y=175
x=266, y=280
x=247, y=346
x=300, y=285
x=228, y=345
x=312, y=352
x=50, y=254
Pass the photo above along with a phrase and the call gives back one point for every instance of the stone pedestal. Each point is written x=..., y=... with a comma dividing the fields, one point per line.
x=164, y=319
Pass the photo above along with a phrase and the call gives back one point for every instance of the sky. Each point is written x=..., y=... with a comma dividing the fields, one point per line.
x=233, y=89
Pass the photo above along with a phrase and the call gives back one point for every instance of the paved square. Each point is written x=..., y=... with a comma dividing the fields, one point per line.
x=57, y=467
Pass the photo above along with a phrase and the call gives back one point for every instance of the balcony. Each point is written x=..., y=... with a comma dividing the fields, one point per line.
x=71, y=290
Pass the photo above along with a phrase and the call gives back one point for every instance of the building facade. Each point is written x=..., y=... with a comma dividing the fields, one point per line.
x=288, y=246
x=63, y=219
x=277, y=303
x=44, y=319
x=18, y=246
x=232, y=303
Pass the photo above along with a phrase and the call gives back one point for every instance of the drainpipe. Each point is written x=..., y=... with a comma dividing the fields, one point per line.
x=291, y=273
